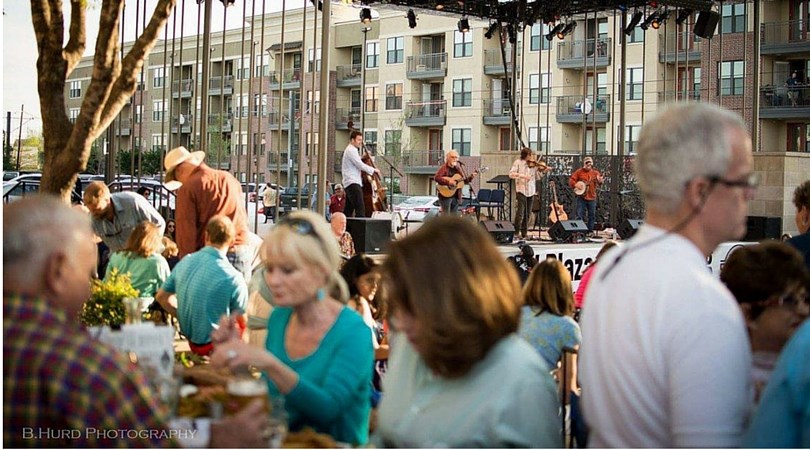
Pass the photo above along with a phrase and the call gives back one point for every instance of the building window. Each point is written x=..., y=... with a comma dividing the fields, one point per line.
x=355, y=101
x=243, y=71
x=242, y=103
x=314, y=65
x=370, y=140
x=371, y=98
x=538, y=139
x=262, y=66
x=504, y=139
x=372, y=55
x=631, y=133
x=312, y=143
x=259, y=144
x=462, y=92
x=73, y=114
x=393, y=142
x=257, y=100
x=396, y=50
x=393, y=96
x=158, y=110
x=138, y=113
x=635, y=83
x=317, y=107
x=696, y=83
x=730, y=74
x=733, y=18
x=75, y=89
x=538, y=40
x=463, y=44
x=636, y=36
x=539, y=90
x=462, y=140
x=601, y=140
x=158, y=77
x=158, y=141
x=241, y=144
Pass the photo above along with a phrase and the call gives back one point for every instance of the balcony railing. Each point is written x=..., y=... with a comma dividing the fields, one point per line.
x=274, y=116
x=349, y=76
x=412, y=160
x=345, y=115
x=572, y=108
x=679, y=48
x=584, y=53
x=123, y=127
x=785, y=37
x=783, y=102
x=679, y=96
x=290, y=78
x=494, y=64
x=220, y=85
x=226, y=122
x=497, y=111
x=184, y=122
x=425, y=114
x=433, y=65
x=183, y=88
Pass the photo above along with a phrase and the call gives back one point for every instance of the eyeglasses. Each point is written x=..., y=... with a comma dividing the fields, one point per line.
x=588, y=163
x=751, y=181
x=790, y=300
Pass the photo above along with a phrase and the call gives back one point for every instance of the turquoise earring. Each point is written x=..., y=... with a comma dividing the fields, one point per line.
x=320, y=294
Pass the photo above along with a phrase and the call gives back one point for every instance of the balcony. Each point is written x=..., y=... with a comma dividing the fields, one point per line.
x=226, y=122
x=570, y=109
x=580, y=54
x=123, y=127
x=426, y=114
x=781, y=102
x=288, y=79
x=275, y=116
x=425, y=67
x=183, y=88
x=345, y=115
x=679, y=96
x=494, y=64
x=278, y=160
x=220, y=85
x=682, y=49
x=349, y=76
x=422, y=161
x=785, y=37
x=497, y=112
x=182, y=124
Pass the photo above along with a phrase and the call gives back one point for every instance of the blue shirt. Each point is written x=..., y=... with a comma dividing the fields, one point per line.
x=130, y=210
x=333, y=394
x=548, y=333
x=207, y=287
x=782, y=419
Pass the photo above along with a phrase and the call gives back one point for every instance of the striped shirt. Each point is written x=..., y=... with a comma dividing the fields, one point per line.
x=207, y=287
x=63, y=389
x=130, y=210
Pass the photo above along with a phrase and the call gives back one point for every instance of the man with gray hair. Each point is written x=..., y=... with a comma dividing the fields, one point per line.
x=116, y=215
x=665, y=360
x=61, y=387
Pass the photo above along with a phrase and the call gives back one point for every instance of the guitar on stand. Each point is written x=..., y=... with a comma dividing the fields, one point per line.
x=449, y=191
x=557, y=210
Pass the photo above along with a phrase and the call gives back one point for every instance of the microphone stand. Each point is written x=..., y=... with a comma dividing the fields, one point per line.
x=391, y=190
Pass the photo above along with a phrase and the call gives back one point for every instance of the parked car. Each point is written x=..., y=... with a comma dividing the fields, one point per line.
x=159, y=196
x=417, y=208
x=24, y=186
x=9, y=175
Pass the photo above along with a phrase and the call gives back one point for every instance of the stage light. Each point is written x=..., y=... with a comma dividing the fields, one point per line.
x=493, y=27
x=365, y=15
x=661, y=19
x=411, y=18
x=228, y=3
x=569, y=28
x=464, y=25
x=649, y=21
x=633, y=22
x=553, y=32
x=439, y=6
x=683, y=16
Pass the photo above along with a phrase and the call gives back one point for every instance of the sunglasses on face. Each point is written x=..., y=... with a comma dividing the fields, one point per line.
x=750, y=181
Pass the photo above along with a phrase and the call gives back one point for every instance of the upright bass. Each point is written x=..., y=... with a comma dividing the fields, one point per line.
x=373, y=188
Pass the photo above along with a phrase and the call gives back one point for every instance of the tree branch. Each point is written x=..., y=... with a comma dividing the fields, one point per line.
x=133, y=63
x=78, y=39
x=46, y=16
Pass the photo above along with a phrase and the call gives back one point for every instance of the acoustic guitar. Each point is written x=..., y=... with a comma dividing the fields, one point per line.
x=557, y=210
x=449, y=191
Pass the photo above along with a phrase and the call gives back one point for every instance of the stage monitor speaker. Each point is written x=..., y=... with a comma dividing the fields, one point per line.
x=706, y=24
x=761, y=227
x=501, y=230
x=369, y=235
x=628, y=228
x=564, y=230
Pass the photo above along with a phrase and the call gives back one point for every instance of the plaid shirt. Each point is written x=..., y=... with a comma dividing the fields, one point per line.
x=62, y=389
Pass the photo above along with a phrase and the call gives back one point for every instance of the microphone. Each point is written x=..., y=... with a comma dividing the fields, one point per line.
x=459, y=163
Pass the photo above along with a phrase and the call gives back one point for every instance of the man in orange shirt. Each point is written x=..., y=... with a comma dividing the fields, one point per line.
x=584, y=182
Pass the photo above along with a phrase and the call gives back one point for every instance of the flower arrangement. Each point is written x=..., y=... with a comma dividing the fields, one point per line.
x=106, y=303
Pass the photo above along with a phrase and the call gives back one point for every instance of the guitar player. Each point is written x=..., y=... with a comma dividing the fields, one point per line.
x=450, y=174
x=584, y=182
x=525, y=171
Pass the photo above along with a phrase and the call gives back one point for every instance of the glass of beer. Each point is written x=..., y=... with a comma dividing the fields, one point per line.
x=242, y=390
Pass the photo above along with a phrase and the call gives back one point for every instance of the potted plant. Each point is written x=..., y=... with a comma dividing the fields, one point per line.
x=106, y=303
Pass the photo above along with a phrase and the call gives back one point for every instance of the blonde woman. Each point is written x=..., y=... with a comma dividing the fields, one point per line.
x=141, y=259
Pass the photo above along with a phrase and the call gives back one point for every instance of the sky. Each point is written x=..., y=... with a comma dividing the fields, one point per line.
x=19, y=52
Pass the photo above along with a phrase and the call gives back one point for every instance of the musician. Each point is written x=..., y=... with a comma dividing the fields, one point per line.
x=445, y=177
x=352, y=168
x=587, y=178
x=525, y=171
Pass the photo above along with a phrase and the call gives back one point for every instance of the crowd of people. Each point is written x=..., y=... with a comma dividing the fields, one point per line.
x=441, y=344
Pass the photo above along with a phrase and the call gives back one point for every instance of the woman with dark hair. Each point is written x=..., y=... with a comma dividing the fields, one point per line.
x=362, y=277
x=459, y=376
x=770, y=282
x=171, y=225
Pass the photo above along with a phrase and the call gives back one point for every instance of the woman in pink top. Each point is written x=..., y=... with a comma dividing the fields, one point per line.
x=579, y=296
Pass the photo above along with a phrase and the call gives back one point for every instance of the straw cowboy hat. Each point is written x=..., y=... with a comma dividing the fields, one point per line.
x=177, y=156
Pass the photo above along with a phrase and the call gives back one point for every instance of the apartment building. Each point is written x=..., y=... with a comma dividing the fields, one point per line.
x=419, y=91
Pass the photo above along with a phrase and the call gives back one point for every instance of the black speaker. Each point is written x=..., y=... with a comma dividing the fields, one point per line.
x=564, y=230
x=501, y=230
x=628, y=228
x=369, y=235
x=706, y=24
x=761, y=227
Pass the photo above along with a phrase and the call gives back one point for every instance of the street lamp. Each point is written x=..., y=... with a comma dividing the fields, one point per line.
x=363, y=56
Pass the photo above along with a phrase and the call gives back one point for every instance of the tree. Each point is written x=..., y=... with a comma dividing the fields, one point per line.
x=113, y=81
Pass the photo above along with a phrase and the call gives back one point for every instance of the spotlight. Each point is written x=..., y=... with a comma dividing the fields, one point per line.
x=649, y=21
x=464, y=25
x=553, y=32
x=493, y=27
x=569, y=28
x=683, y=16
x=411, y=18
x=228, y=3
x=661, y=19
x=365, y=15
x=633, y=22
x=439, y=6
